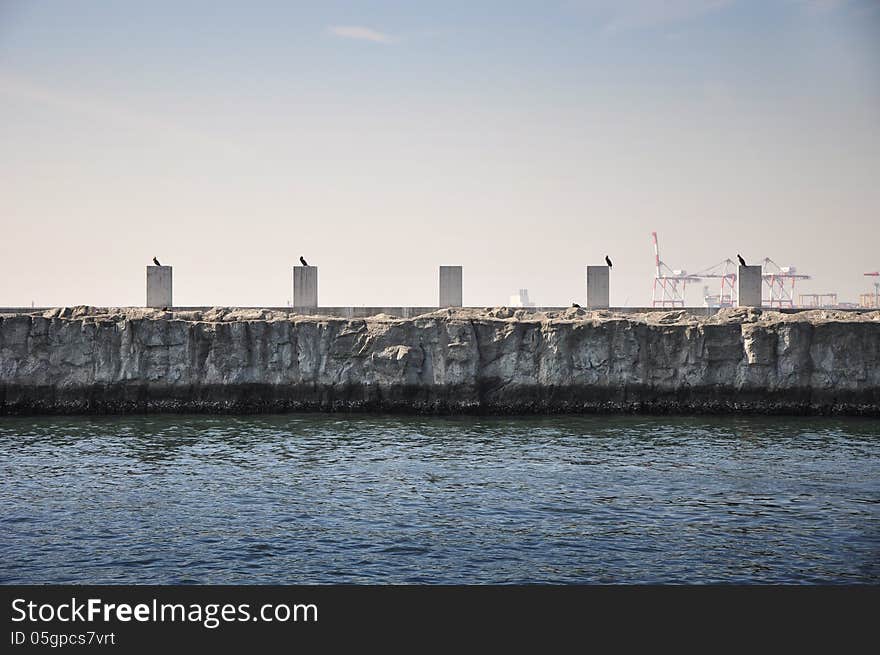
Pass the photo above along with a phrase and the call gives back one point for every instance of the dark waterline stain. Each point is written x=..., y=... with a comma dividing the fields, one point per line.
x=318, y=498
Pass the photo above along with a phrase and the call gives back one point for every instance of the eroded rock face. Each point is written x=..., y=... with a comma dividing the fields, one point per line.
x=115, y=360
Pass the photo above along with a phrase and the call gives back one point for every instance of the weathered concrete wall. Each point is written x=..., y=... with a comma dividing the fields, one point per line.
x=90, y=360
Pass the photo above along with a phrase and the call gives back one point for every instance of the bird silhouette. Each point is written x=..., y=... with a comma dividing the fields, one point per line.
x=574, y=304
x=303, y=260
x=156, y=262
x=608, y=261
x=742, y=262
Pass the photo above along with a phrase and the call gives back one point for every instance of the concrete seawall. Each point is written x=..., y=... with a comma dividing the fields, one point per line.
x=85, y=360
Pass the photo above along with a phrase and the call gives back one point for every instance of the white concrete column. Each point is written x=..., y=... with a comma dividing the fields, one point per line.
x=749, y=283
x=159, y=286
x=450, y=286
x=305, y=286
x=598, y=287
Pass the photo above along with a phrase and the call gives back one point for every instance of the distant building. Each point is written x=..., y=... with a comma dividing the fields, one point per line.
x=521, y=299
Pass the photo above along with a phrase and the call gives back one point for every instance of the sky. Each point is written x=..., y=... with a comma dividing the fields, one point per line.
x=520, y=140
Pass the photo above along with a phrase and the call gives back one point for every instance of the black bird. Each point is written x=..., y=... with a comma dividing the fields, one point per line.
x=574, y=304
x=303, y=260
x=742, y=262
x=156, y=262
x=608, y=261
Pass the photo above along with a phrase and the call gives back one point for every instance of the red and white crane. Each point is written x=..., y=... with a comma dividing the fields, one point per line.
x=669, y=285
x=780, y=280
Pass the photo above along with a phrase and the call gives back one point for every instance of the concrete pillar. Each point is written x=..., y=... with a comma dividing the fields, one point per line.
x=598, y=283
x=450, y=286
x=305, y=286
x=159, y=286
x=749, y=283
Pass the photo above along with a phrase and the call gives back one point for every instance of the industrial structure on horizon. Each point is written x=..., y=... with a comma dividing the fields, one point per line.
x=670, y=286
x=739, y=285
x=521, y=299
x=871, y=300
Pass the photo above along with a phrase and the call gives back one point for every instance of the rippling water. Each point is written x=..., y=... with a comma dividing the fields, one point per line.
x=331, y=499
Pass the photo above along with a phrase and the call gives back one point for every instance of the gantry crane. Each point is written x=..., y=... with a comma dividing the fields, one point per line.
x=775, y=277
x=726, y=271
x=669, y=285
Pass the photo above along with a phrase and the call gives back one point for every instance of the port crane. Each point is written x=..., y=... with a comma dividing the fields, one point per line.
x=669, y=285
x=725, y=271
x=780, y=280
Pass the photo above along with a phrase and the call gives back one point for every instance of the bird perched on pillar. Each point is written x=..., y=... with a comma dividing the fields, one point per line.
x=742, y=262
x=156, y=262
x=303, y=260
x=608, y=261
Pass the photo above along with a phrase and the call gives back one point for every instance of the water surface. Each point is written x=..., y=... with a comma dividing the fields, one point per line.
x=330, y=499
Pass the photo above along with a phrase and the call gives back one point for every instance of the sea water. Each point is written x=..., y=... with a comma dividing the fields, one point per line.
x=329, y=498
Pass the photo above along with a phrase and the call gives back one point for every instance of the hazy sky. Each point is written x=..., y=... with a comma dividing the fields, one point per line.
x=522, y=140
